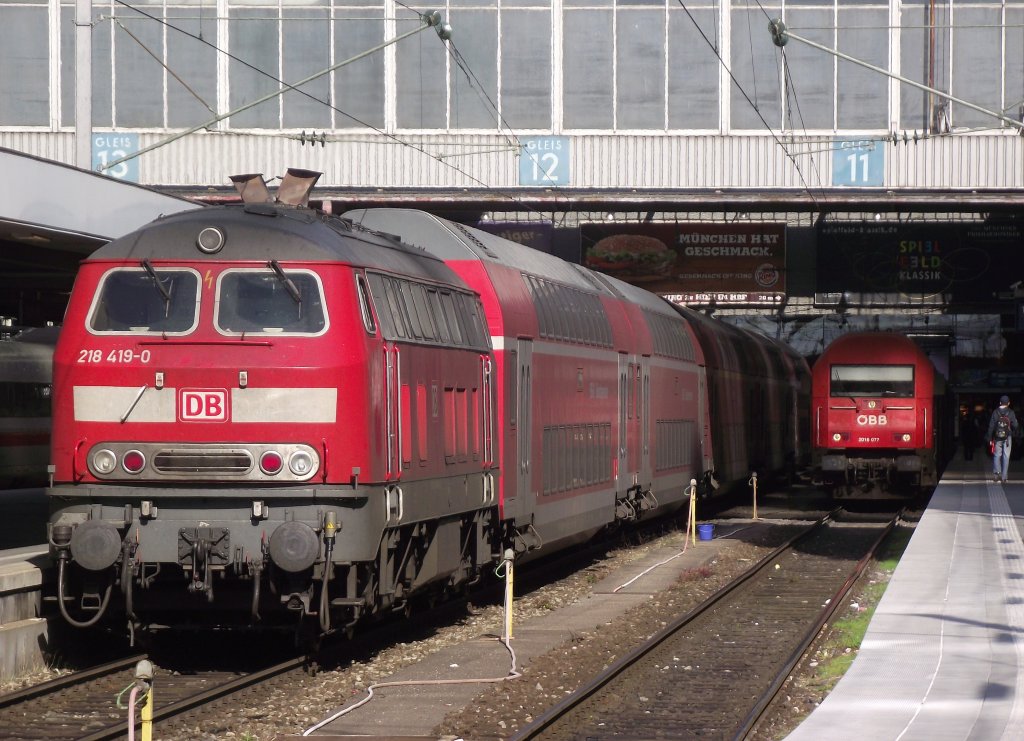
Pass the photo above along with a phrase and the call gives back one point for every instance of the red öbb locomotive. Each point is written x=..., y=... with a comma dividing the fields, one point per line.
x=878, y=416
x=267, y=415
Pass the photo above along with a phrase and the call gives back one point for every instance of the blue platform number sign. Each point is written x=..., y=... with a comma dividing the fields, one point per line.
x=108, y=148
x=857, y=162
x=544, y=160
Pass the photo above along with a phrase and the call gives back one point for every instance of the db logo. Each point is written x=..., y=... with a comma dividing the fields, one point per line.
x=872, y=420
x=203, y=405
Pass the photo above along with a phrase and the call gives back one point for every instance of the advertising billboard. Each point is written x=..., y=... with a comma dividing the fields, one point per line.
x=691, y=263
x=966, y=262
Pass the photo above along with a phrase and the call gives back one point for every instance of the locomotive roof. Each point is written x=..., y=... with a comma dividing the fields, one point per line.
x=268, y=231
x=872, y=348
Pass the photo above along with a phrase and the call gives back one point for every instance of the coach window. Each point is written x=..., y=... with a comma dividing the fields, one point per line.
x=563, y=312
x=270, y=300
x=364, y=305
x=146, y=300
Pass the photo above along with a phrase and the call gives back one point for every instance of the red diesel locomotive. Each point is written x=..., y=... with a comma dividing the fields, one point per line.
x=879, y=416
x=268, y=415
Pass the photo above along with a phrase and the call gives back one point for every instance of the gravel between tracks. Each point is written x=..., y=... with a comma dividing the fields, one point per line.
x=287, y=708
x=498, y=711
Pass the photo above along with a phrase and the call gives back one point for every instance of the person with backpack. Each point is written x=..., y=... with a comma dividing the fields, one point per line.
x=1001, y=429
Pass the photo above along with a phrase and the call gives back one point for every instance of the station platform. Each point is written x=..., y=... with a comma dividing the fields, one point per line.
x=943, y=656
x=24, y=568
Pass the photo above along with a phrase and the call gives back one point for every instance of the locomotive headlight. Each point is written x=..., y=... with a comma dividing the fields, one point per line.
x=300, y=463
x=836, y=437
x=271, y=463
x=133, y=461
x=906, y=437
x=104, y=461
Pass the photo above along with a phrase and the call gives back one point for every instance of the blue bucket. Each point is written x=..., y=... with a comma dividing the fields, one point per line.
x=706, y=532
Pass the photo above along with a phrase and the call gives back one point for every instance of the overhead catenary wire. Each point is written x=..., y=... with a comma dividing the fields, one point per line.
x=791, y=84
x=781, y=35
x=511, y=138
x=158, y=60
x=429, y=21
x=753, y=105
x=444, y=32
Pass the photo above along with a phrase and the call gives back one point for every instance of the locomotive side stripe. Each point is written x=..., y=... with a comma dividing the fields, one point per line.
x=284, y=405
x=273, y=405
x=108, y=403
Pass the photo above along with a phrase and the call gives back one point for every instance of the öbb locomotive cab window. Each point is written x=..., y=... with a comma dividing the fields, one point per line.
x=146, y=300
x=872, y=380
x=271, y=300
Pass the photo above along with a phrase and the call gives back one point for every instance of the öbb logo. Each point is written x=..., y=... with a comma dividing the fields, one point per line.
x=203, y=405
x=872, y=419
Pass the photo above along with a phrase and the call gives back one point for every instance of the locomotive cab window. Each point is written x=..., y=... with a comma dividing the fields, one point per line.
x=270, y=300
x=146, y=300
x=872, y=380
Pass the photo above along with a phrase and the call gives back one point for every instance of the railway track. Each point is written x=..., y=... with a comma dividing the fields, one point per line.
x=84, y=705
x=711, y=673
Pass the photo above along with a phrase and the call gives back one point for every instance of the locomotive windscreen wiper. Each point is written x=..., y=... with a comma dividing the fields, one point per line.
x=159, y=284
x=293, y=291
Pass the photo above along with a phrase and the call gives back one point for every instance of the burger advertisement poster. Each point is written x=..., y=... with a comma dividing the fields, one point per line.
x=696, y=264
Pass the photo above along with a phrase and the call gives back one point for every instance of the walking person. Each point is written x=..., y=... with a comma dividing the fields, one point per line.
x=1001, y=429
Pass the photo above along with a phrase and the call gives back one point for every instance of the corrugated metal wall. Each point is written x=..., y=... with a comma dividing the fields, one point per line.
x=642, y=162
